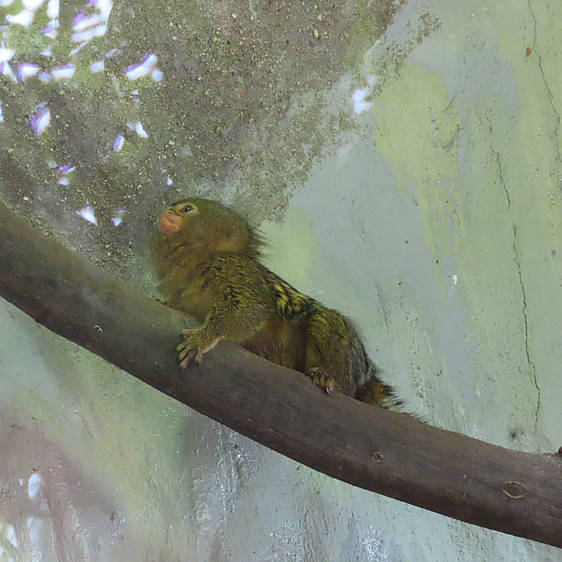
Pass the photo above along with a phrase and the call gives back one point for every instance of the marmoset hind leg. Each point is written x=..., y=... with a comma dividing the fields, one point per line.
x=336, y=359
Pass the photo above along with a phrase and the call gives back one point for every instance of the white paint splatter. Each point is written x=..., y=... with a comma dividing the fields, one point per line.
x=97, y=66
x=34, y=529
x=157, y=75
x=79, y=48
x=63, y=72
x=87, y=213
x=51, y=29
x=40, y=119
x=358, y=98
x=24, y=18
x=1, y=113
x=82, y=22
x=104, y=6
x=32, y=5
x=169, y=181
x=87, y=26
x=6, y=70
x=11, y=536
x=6, y=54
x=90, y=33
x=455, y=280
x=112, y=53
x=118, y=218
x=138, y=128
x=53, y=9
x=118, y=142
x=5, y=2
x=33, y=485
x=143, y=68
x=62, y=171
x=27, y=70
x=66, y=169
x=45, y=77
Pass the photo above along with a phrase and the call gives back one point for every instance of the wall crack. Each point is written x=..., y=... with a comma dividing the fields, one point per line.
x=556, y=132
x=530, y=362
x=501, y=177
x=517, y=260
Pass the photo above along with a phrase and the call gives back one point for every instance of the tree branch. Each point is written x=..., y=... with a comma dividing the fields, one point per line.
x=389, y=453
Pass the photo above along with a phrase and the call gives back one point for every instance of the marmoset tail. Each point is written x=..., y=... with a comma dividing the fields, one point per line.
x=208, y=258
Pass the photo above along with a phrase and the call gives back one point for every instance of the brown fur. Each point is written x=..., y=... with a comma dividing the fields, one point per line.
x=209, y=260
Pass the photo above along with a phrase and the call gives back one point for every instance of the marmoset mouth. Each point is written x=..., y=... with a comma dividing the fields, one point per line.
x=168, y=222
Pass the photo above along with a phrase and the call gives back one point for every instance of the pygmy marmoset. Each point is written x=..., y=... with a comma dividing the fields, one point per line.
x=208, y=258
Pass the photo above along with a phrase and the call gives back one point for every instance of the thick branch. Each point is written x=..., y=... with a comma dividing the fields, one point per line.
x=388, y=453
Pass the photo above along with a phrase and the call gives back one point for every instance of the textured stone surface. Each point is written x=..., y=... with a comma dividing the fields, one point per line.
x=404, y=162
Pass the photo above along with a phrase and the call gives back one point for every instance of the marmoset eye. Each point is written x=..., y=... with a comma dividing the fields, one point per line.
x=187, y=208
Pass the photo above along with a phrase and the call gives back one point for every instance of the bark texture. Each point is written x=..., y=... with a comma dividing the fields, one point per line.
x=385, y=452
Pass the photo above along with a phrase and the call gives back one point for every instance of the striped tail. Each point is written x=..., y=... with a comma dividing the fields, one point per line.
x=376, y=392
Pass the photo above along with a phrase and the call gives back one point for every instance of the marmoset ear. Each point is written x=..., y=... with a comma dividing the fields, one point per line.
x=234, y=241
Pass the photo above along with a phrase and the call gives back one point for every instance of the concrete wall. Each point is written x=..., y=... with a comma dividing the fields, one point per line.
x=403, y=159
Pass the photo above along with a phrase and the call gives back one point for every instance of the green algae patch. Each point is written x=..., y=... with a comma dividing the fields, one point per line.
x=418, y=130
x=295, y=231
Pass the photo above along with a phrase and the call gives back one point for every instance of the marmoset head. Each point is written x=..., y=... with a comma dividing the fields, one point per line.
x=204, y=223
